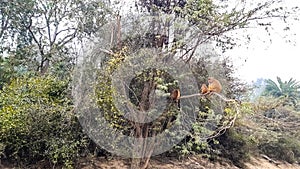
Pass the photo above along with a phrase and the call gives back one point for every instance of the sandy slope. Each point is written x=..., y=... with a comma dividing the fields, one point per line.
x=188, y=163
x=166, y=163
x=260, y=163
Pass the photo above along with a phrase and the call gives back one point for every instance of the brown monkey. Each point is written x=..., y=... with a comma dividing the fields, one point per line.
x=175, y=96
x=214, y=85
x=204, y=89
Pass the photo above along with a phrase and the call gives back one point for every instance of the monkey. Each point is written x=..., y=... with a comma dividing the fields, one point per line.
x=204, y=89
x=175, y=96
x=214, y=85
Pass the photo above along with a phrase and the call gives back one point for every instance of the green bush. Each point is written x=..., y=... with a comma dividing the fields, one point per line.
x=284, y=148
x=36, y=122
x=234, y=146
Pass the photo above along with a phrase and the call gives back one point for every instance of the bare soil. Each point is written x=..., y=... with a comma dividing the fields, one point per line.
x=187, y=163
x=192, y=162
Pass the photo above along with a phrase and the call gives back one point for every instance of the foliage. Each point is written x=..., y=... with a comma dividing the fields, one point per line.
x=234, y=146
x=214, y=116
x=131, y=44
x=195, y=142
x=37, y=122
x=6, y=72
x=104, y=90
x=264, y=128
x=283, y=148
x=266, y=103
x=36, y=113
x=288, y=90
x=42, y=33
x=10, y=68
x=273, y=129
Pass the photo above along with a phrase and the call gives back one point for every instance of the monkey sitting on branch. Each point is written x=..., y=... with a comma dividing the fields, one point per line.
x=213, y=86
x=175, y=96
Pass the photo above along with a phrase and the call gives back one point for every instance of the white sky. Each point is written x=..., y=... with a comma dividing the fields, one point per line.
x=268, y=60
x=279, y=59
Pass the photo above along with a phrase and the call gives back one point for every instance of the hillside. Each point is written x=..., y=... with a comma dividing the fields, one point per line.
x=188, y=163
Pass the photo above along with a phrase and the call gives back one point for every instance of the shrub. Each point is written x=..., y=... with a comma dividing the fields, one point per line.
x=234, y=146
x=37, y=121
x=284, y=148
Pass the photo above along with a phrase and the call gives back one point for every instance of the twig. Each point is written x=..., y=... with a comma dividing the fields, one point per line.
x=106, y=51
x=192, y=95
x=269, y=159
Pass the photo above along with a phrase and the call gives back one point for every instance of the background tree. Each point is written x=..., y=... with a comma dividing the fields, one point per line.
x=41, y=33
x=37, y=122
x=289, y=90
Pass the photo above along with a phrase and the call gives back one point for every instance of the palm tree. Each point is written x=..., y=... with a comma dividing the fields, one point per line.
x=288, y=89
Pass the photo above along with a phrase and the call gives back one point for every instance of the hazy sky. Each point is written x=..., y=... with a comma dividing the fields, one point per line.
x=262, y=59
x=269, y=60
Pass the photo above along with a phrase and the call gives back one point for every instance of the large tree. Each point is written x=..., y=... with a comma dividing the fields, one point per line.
x=44, y=32
x=173, y=30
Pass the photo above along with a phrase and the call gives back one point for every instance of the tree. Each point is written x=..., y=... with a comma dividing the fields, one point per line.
x=37, y=122
x=212, y=20
x=287, y=89
x=43, y=32
x=172, y=30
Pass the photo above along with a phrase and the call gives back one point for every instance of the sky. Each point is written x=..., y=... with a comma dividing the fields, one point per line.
x=267, y=59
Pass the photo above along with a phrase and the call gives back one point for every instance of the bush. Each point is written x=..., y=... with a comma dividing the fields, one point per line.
x=286, y=149
x=37, y=122
x=234, y=146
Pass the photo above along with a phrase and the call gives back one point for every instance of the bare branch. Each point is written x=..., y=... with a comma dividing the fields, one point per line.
x=67, y=38
x=217, y=94
x=106, y=51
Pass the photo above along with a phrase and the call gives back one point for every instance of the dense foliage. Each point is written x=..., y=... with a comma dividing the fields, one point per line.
x=37, y=121
x=288, y=90
x=42, y=41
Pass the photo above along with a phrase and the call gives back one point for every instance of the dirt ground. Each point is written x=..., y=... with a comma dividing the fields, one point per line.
x=187, y=163
x=165, y=163
x=260, y=163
